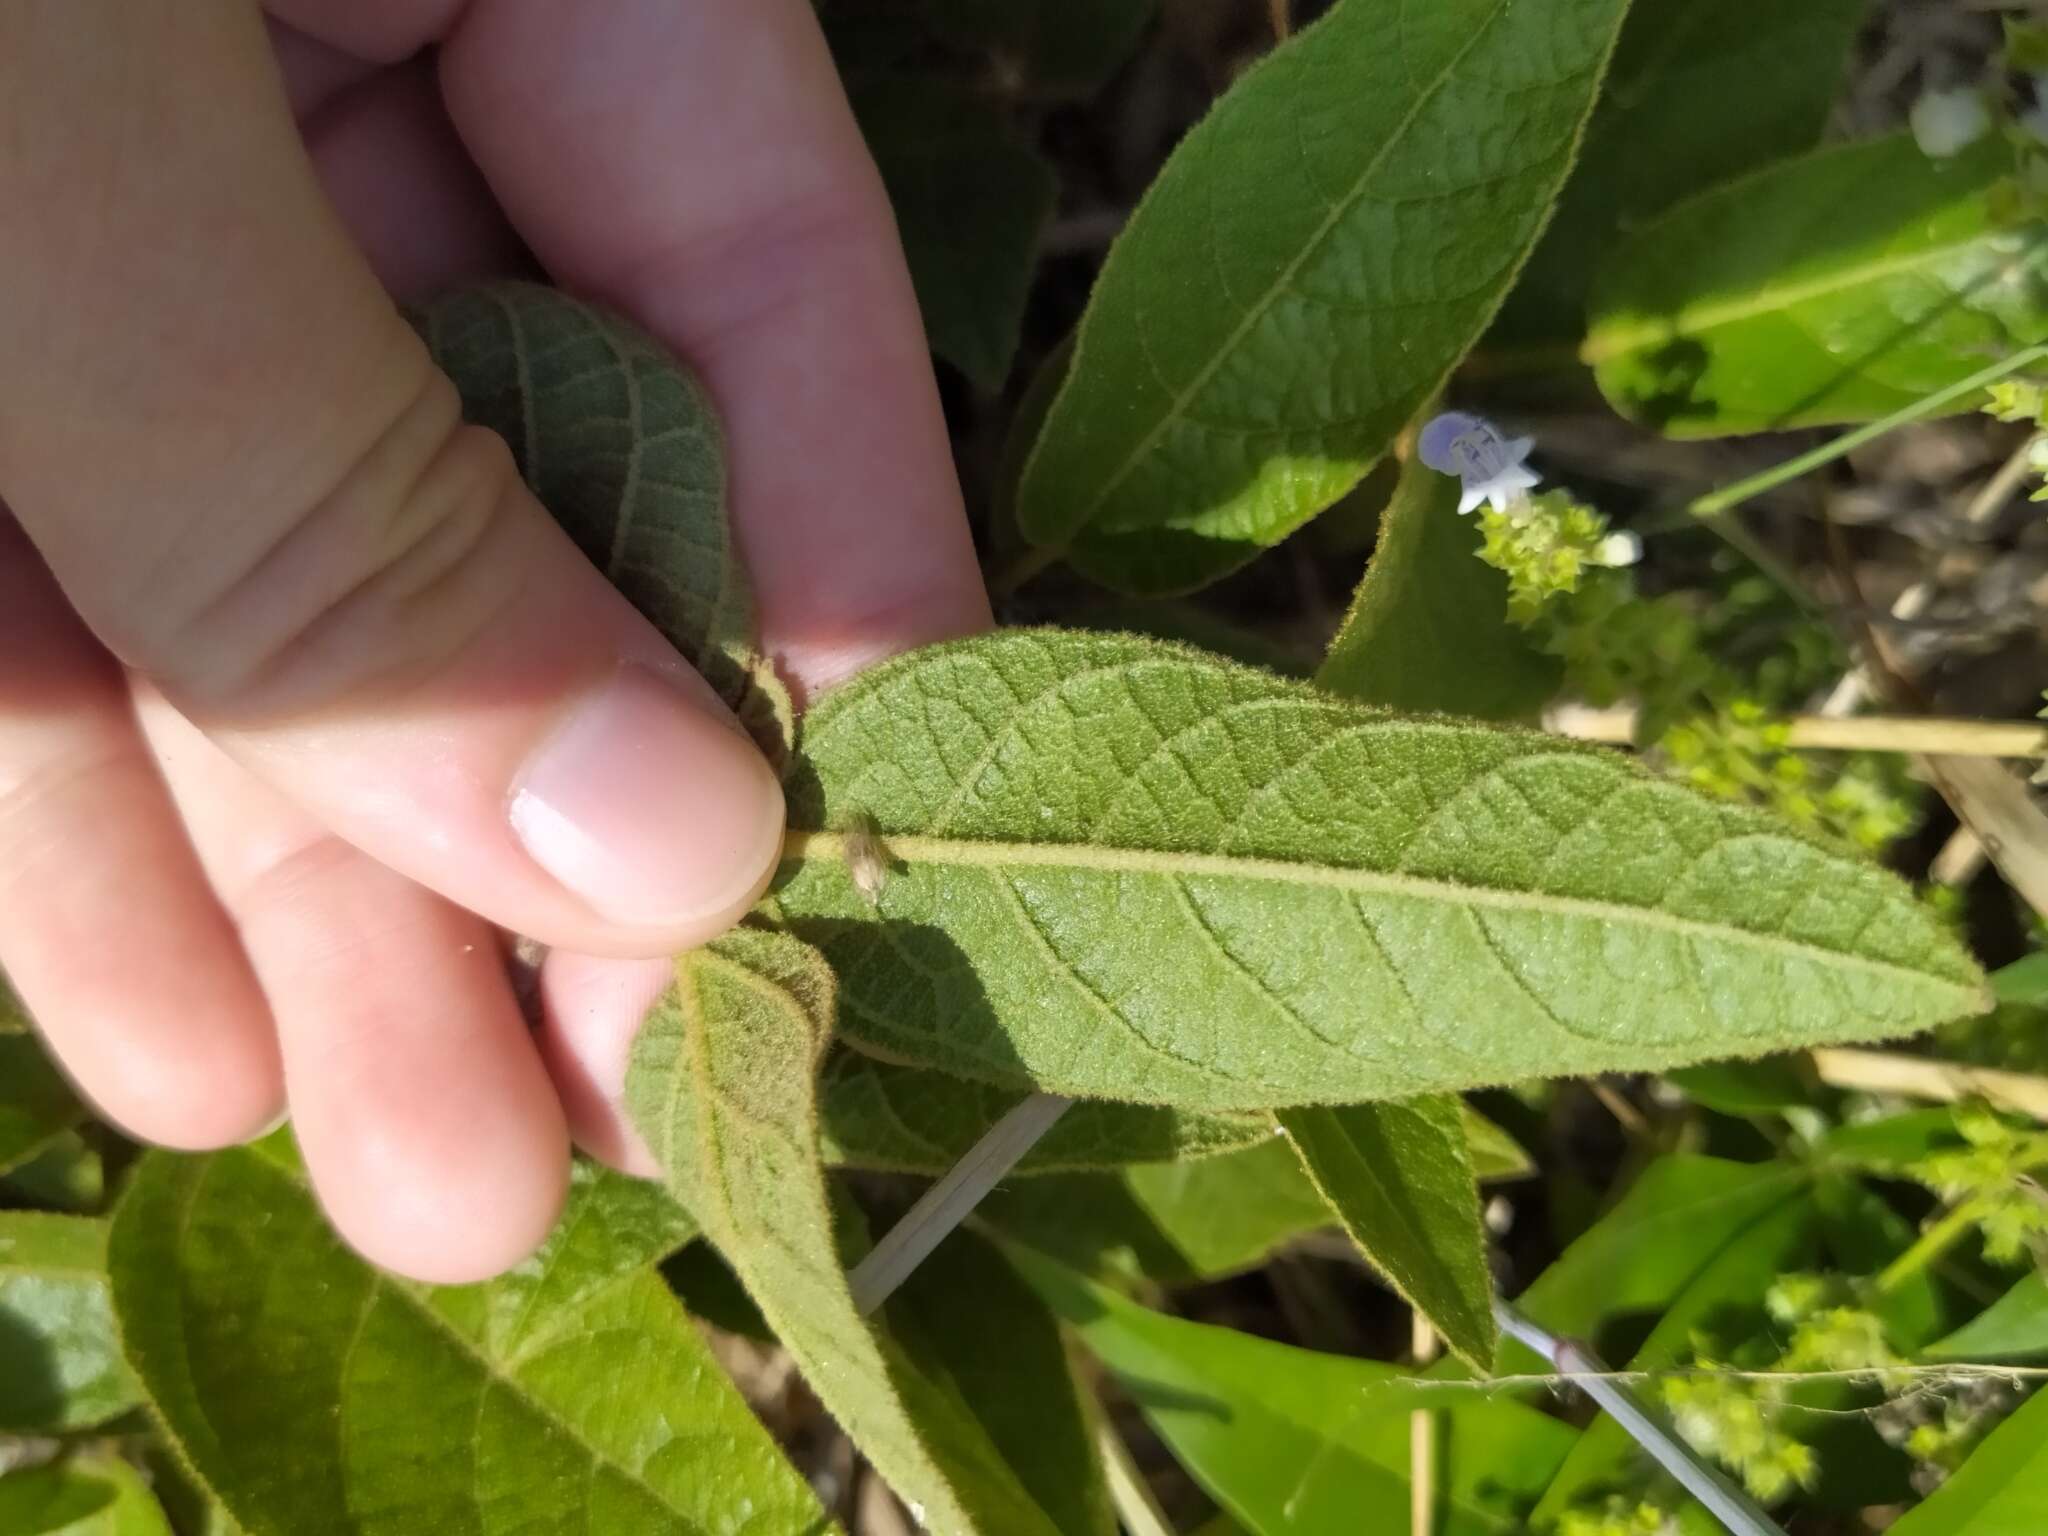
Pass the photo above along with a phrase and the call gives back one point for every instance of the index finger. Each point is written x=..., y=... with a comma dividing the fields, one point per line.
x=697, y=166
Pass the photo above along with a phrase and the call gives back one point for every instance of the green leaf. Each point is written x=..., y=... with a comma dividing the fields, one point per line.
x=2024, y=981
x=1313, y=260
x=906, y=1120
x=1428, y=629
x=622, y=445
x=1170, y=1223
x=1677, y=1217
x=1494, y=1153
x=967, y=1319
x=1734, y=1280
x=1292, y=1442
x=971, y=199
x=60, y=1356
x=723, y=1086
x=2002, y=1490
x=1892, y=1142
x=1400, y=1180
x=36, y=1103
x=1748, y=1087
x=84, y=1496
x=1119, y=869
x=1836, y=287
x=1697, y=94
x=2014, y=1327
x=313, y=1394
x=69, y=1174
x=1060, y=47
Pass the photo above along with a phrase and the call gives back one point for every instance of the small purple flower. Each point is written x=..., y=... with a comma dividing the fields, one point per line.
x=1490, y=465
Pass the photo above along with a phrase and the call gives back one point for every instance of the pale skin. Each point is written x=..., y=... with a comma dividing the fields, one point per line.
x=303, y=700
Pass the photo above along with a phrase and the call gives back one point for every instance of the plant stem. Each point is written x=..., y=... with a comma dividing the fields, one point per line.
x=1954, y=1225
x=1714, y=503
x=1136, y=1509
x=1918, y=1077
x=1855, y=733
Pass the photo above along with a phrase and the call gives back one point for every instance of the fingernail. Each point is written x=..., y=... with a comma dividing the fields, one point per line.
x=650, y=808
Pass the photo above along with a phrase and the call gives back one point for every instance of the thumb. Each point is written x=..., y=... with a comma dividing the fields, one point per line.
x=257, y=490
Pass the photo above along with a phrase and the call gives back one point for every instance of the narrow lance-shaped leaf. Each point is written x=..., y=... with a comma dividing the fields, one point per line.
x=314, y=1395
x=622, y=445
x=80, y=1496
x=1310, y=264
x=875, y=1115
x=1428, y=628
x=1400, y=1181
x=971, y=199
x=723, y=1086
x=1296, y=1443
x=61, y=1367
x=36, y=1104
x=1115, y=868
x=1836, y=287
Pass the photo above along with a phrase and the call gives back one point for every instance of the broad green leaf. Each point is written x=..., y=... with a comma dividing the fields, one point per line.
x=13, y=1017
x=1313, y=260
x=1119, y=869
x=84, y=1496
x=2002, y=1490
x=1835, y=287
x=313, y=1394
x=623, y=446
x=2024, y=981
x=1170, y=1223
x=1295, y=1443
x=1697, y=94
x=1892, y=1142
x=1748, y=1087
x=1678, y=1216
x=1428, y=629
x=36, y=1103
x=1732, y=1281
x=971, y=199
x=905, y=1120
x=1494, y=1153
x=1060, y=47
x=723, y=1086
x=60, y=1356
x=967, y=1319
x=1400, y=1180
x=2014, y=1327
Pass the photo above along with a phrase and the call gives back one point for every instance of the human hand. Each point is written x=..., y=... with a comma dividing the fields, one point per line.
x=318, y=693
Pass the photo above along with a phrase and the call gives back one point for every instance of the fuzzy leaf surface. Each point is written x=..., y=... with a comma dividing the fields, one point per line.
x=971, y=199
x=1835, y=287
x=1297, y=1443
x=723, y=1086
x=622, y=445
x=314, y=1395
x=1400, y=1181
x=904, y=1120
x=60, y=1356
x=1697, y=94
x=1312, y=261
x=1428, y=628
x=1119, y=869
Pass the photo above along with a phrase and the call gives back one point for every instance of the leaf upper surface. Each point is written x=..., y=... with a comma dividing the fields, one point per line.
x=1834, y=287
x=1307, y=268
x=1119, y=869
x=60, y=1357
x=313, y=1394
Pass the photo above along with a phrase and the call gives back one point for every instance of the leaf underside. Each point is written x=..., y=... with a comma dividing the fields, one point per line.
x=723, y=1088
x=1119, y=869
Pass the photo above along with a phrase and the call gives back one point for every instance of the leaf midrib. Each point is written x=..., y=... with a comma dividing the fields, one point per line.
x=1310, y=247
x=808, y=847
